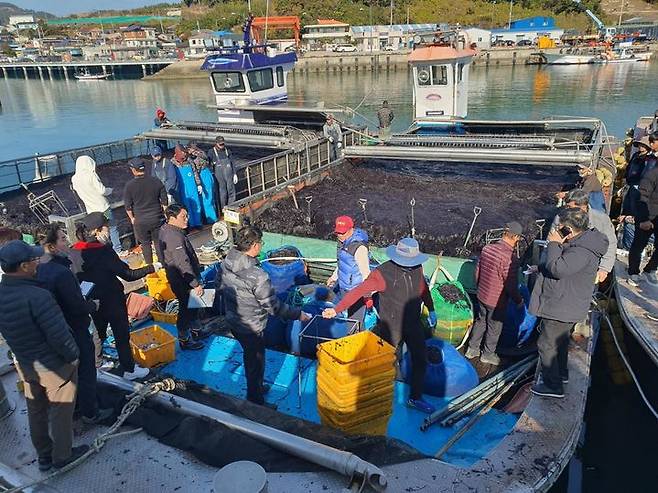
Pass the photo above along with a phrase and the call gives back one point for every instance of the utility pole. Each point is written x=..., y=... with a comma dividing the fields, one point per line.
x=407, y=14
x=509, y=24
x=391, y=21
x=621, y=13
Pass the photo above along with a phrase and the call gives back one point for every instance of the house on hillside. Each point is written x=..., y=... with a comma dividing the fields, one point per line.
x=325, y=32
x=139, y=37
x=205, y=40
x=529, y=29
x=22, y=22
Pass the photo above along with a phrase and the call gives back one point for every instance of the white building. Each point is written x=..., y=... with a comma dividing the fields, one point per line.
x=397, y=36
x=481, y=37
x=326, y=31
x=20, y=22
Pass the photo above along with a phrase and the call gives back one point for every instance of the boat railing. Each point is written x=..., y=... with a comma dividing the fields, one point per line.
x=40, y=168
x=260, y=180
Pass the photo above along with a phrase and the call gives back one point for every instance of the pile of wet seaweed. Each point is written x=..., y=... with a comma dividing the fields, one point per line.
x=451, y=293
x=444, y=194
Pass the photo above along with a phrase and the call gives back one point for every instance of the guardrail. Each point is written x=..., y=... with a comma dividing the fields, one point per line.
x=265, y=178
x=41, y=168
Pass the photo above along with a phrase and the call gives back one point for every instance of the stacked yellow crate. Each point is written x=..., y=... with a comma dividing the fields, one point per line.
x=355, y=379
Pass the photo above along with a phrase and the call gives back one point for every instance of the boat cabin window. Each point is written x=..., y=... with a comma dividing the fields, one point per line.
x=460, y=72
x=228, y=81
x=280, y=80
x=260, y=80
x=423, y=76
x=439, y=75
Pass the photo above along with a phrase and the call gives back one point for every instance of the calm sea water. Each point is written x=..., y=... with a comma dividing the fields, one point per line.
x=45, y=116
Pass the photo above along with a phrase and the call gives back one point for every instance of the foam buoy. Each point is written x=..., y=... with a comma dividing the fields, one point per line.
x=241, y=477
x=448, y=373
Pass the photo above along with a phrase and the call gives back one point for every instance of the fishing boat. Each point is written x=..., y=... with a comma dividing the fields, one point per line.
x=85, y=75
x=623, y=53
x=575, y=56
x=302, y=447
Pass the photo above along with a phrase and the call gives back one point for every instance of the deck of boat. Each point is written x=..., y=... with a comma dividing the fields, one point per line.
x=635, y=303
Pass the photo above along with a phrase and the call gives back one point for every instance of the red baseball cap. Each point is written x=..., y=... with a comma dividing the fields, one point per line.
x=343, y=224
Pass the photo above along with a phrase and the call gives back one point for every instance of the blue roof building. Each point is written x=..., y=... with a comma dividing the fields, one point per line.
x=528, y=29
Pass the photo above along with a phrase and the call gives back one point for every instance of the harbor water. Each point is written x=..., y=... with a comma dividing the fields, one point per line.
x=42, y=116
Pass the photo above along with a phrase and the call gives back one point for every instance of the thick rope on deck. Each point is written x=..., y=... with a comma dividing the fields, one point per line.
x=135, y=400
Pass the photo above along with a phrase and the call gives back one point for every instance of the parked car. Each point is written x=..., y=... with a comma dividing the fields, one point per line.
x=503, y=42
x=344, y=48
x=389, y=48
x=524, y=42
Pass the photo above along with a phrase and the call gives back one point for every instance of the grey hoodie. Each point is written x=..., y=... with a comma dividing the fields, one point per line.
x=248, y=295
x=565, y=282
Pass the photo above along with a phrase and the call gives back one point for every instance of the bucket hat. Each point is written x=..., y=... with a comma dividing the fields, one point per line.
x=406, y=253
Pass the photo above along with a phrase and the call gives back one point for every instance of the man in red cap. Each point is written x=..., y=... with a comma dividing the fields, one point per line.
x=353, y=262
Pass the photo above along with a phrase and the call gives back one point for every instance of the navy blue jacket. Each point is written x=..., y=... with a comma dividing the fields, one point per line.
x=33, y=325
x=56, y=277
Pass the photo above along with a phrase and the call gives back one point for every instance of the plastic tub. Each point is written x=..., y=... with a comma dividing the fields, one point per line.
x=158, y=286
x=152, y=346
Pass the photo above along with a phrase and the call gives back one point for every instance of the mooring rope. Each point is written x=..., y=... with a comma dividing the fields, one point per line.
x=135, y=400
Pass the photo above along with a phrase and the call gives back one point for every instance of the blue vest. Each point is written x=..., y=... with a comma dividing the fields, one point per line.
x=349, y=275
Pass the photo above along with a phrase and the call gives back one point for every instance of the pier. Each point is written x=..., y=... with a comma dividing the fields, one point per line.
x=66, y=70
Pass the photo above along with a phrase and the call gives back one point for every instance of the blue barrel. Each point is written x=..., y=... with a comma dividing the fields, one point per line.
x=519, y=322
x=283, y=276
x=448, y=373
x=319, y=330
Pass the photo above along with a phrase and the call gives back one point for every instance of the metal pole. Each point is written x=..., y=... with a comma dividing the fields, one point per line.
x=391, y=20
x=509, y=24
x=344, y=463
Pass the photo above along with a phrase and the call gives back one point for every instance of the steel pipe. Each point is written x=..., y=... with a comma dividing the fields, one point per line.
x=209, y=137
x=344, y=463
x=235, y=128
x=472, y=155
x=459, y=401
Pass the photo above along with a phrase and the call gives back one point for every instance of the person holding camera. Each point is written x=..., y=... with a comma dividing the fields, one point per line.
x=562, y=294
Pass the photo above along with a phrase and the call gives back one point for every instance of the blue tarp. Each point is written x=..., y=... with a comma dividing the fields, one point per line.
x=219, y=366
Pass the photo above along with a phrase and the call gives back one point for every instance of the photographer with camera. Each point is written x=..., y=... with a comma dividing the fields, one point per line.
x=562, y=293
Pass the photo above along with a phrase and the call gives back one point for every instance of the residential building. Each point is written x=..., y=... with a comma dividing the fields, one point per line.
x=325, y=32
x=140, y=37
x=397, y=36
x=205, y=40
x=22, y=22
x=529, y=29
x=97, y=52
x=480, y=37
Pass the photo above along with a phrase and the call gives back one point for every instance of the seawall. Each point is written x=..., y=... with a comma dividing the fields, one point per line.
x=318, y=62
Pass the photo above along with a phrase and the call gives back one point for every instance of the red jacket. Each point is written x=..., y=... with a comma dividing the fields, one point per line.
x=496, y=275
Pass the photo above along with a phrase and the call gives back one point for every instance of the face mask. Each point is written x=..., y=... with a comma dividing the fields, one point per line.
x=103, y=237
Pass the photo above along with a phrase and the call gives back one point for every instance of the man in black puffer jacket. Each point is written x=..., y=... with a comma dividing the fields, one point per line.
x=248, y=300
x=55, y=274
x=183, y=272
x=563, y=292
x=646, y=224
x=45, y=351
x=101, y=266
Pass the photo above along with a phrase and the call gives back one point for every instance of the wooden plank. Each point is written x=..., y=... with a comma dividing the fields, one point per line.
x=634, y=305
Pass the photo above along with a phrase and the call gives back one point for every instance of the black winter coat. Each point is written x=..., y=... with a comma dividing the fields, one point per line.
x=101, y=265
x=565, y=283
x=647, y=207
x=248, y=294
x=56, y=277
x=180, y=260
x=33, y=325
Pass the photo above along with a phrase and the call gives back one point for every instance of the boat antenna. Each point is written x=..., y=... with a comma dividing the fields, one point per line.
x=267, y=15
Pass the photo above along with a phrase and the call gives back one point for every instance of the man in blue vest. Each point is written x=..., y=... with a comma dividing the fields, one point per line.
x=353, y=262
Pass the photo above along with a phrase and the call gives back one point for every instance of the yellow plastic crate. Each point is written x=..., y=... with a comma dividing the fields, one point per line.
x=379, y=404
x=152, y=346
x=158, y=286
x=166, y=318
x=356, y=356
x=371, y=426
x=349, y=394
